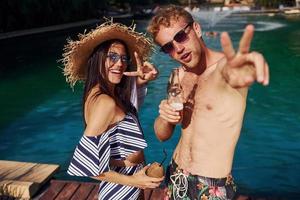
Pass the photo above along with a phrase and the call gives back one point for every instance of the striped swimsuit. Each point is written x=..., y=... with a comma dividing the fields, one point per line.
x=92, y=156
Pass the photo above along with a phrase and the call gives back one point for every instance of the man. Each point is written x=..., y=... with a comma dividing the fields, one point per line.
x=215, y=88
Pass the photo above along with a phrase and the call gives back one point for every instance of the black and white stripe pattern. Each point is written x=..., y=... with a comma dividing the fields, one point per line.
x=114, y=191
x=92, y=156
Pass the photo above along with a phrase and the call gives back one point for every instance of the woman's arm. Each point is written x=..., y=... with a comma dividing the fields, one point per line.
x=139, y=179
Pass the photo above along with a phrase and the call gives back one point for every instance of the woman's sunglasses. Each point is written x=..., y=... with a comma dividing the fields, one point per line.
x=114, y=58
x=179, y=37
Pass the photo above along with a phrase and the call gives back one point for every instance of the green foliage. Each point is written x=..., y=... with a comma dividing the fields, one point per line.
x=16, y=14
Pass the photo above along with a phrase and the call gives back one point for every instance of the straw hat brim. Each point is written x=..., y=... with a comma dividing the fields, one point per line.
x=77, y=53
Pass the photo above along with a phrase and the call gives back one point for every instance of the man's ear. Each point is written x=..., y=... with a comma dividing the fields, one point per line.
x=197, y=28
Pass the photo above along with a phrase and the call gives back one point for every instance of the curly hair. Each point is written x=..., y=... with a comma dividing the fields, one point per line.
x=164, y=17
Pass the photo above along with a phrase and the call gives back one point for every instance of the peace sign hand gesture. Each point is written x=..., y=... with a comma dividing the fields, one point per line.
x=145, y=71
x=244, y=67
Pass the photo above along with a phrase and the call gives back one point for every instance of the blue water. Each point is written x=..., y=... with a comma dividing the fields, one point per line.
x=41, y=116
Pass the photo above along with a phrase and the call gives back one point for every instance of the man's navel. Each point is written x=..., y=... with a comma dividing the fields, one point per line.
x=209, y=107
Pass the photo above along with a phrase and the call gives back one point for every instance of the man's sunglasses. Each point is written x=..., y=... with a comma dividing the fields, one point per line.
x=114, y=58
x=179, y=37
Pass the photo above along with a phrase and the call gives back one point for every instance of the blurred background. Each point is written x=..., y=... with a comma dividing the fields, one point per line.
x=41, y=116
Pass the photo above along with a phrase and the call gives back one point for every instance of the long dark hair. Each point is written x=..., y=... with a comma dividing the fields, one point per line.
x=96, y=75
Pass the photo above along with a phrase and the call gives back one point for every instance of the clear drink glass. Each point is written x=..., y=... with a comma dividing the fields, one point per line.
x=175, y=92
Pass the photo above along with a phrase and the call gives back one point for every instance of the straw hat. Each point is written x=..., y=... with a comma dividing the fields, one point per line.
x=77, y=53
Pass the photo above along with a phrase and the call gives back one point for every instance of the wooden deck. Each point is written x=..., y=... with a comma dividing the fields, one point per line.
x=70, y=190
x=22, y=179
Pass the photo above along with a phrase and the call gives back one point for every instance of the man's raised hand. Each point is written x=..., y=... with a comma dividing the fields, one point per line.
x=243, y=67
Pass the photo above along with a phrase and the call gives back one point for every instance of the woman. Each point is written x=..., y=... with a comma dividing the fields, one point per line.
x=111, y=148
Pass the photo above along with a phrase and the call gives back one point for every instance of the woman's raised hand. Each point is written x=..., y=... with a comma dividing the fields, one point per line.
x=145, y=71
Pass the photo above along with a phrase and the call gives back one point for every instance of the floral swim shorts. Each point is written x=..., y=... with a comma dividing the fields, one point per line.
x=185, y=186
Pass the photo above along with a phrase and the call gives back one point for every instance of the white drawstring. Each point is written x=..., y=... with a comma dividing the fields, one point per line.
x=180, y=183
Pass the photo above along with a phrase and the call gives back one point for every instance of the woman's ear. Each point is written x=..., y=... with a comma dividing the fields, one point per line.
x=197, y=29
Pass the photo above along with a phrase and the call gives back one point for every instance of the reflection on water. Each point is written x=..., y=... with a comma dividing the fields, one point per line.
x=41, y=116
x=211, y=18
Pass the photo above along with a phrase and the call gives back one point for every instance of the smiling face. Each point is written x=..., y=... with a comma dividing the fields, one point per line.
x=115, y=62
x=188, y=51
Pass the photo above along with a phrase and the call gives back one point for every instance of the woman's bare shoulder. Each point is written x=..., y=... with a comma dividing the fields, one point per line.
x=101, y=111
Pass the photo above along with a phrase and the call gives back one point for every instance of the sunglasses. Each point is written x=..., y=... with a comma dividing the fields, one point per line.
x=179, y=37
x=114, y=58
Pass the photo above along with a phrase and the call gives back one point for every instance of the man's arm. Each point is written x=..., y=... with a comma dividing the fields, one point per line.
x=166, y=121
x=163, y=129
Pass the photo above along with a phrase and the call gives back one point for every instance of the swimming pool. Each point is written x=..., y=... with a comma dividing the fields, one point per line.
x=41, y=116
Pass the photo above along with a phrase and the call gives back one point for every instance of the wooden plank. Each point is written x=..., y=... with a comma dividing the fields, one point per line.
x=147, y=193
x=68, y=191
x=9, y=169
x=40, y=173
x=22, y=179
x=94, y=194
x=158, y=193
x=20, y=189
x=29, y=172
x=64, y=190
x=84, y=190
x=54, y=190
x=155, y=194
